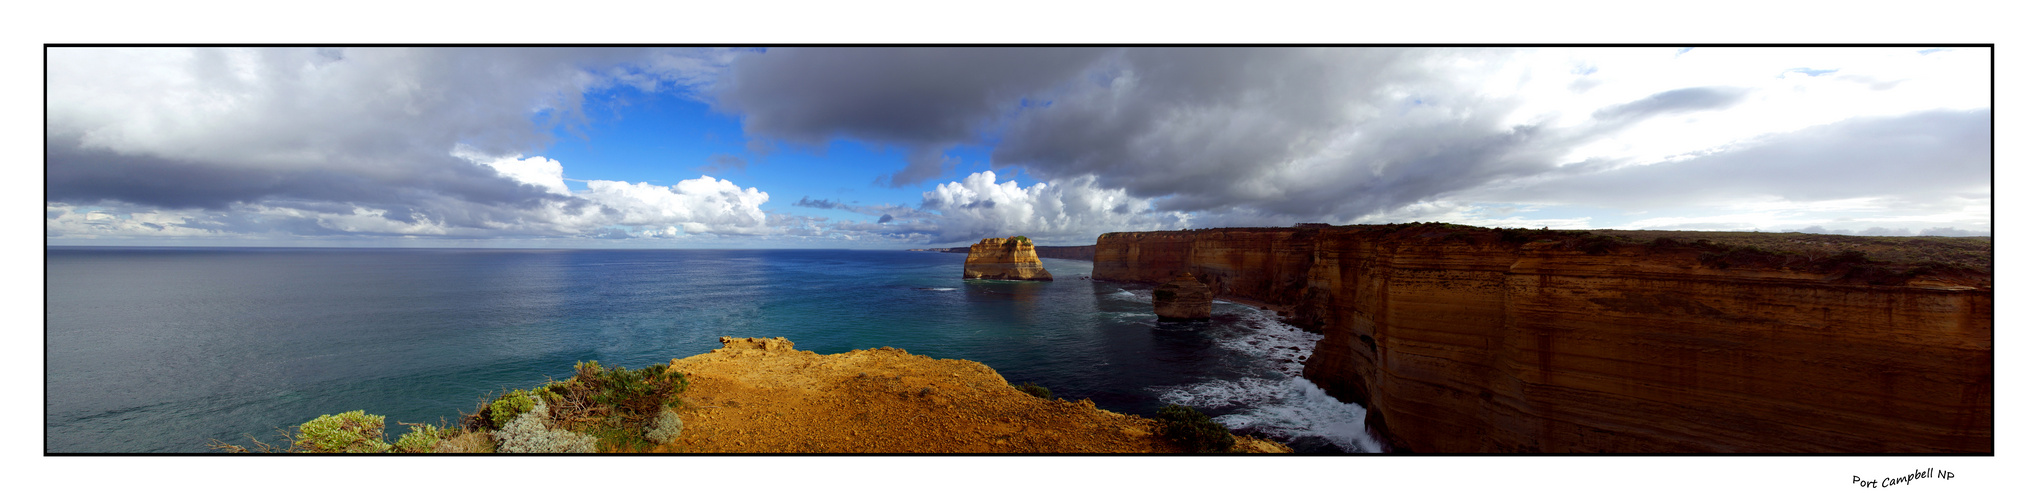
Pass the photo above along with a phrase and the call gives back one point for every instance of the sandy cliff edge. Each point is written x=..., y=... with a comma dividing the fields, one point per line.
x=758, y=395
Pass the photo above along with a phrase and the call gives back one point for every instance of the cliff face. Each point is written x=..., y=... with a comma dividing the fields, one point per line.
x=1004, y=259
x=1460, y=341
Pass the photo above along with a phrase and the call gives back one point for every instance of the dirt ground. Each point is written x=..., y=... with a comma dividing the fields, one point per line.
x=762, y=396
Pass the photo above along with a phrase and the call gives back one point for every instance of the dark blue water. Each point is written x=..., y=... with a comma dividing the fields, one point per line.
x=166, y=349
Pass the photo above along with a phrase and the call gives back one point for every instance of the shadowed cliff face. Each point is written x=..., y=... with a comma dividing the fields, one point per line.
x=1469, y=340
x=1004, y=259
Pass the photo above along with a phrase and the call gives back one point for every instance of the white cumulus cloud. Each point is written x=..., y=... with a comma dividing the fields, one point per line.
x=1069, y=212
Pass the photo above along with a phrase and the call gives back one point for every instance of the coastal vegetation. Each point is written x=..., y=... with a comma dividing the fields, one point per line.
x=1035, y=390
x=598, y=409
x=1193, y=430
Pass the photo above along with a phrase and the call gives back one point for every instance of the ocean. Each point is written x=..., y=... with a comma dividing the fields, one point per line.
x=164, y=350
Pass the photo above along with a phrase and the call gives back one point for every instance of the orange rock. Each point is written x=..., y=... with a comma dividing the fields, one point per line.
x=1464, y=340
x=764, y=396
x=1004, y=259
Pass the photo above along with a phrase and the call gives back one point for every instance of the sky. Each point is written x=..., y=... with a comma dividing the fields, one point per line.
x=911, y=147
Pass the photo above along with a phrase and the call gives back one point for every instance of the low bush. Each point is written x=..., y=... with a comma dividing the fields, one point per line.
x=528, y=433
x=665, y=428
x=1193, y=430
x=1035, y=390
x=350, y=432
x=422, y=438
x=506, y=408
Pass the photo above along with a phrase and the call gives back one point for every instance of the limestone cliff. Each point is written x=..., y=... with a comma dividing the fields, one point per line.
x=1462, y=339
x=1004, y=259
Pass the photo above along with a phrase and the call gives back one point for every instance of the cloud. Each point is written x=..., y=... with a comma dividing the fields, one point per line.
x=821, y=204
x=924, y=99
x=1064, y=212
x=352, y=140
x=698, y=205
x=1674, y=101
x=1304, y=134
x=719, y=163
x=1919, y=158
x=339, y=142
x=922, y=164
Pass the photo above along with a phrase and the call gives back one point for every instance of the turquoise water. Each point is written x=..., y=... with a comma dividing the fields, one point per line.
x=166, y=349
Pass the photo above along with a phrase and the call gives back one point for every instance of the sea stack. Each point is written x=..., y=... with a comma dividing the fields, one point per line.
x=1004, y=259
x=1183, y=299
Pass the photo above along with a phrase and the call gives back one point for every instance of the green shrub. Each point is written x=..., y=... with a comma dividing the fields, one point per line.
x=1021, y=239
x=636, y=393
x=508, y=407
x=422, y=438
x=1193, y=430
x=350, y=432
x=1035, y=390
x=618, y=406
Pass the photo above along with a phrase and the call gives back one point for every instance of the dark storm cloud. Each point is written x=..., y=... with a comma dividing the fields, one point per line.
x=922, y=99
x=1307, y=133
x=1926, y=158
x=373, y=128
x=86, y=176
x=1291, y=133
x=1674, y=101
x=888, y=95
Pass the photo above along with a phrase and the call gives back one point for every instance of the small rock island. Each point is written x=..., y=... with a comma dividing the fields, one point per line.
x=1004, y=259
x=1183, y=299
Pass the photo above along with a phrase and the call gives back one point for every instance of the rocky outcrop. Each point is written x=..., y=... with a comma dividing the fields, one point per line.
x=1462, y=339
x=764, y=396
x=1183, y=299
x=1004, y=259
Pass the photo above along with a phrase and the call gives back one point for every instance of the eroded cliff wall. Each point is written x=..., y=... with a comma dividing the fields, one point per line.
x=1479, y=341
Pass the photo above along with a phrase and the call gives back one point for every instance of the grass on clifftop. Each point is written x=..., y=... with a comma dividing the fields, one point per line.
x=598, y=409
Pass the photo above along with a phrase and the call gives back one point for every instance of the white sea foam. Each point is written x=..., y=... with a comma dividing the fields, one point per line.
x=937, y=289
x=1263, y=336
x=1283, y=406
x=1250, y=391
x=1145, y=296
x=1303, y=410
